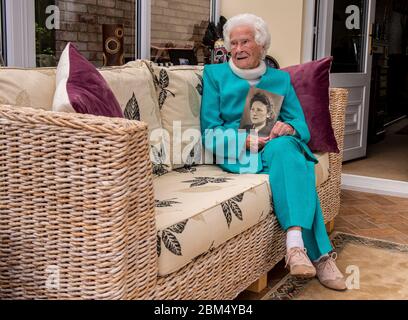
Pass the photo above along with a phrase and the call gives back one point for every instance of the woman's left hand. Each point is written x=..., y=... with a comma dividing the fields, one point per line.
x=281, y=129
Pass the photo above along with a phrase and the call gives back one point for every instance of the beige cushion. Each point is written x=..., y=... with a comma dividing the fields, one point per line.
x=179, y=90
x=132, y=85
x=322, y=168
x=199, y=209
x=27, y=87
x=195, y=209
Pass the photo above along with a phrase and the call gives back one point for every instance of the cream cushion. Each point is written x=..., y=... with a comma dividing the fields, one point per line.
x=179, y=90
x=133, y=87
x=27, y=87
x=322, y=168
x=201, y=207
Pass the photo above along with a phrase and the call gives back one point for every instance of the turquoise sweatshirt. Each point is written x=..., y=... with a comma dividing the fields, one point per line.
x=223, y=102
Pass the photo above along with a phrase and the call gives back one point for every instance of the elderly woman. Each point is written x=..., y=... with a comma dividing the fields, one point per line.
x=284, y=155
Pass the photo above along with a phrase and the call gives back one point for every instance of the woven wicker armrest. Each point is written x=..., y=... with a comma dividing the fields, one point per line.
x=76, y=206
x=338, y=103
x=329, y=192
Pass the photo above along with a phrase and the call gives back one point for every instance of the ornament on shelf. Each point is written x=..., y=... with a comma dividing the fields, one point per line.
x=213, y=39
x=220, y=53
x=113, y=48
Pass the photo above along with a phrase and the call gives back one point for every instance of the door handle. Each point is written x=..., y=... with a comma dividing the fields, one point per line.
x=370, y=39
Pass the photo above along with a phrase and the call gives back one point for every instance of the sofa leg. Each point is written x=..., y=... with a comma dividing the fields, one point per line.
x=330, y=226
x=259, y=284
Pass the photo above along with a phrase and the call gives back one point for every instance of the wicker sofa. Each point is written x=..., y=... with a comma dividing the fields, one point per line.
x=79, y=208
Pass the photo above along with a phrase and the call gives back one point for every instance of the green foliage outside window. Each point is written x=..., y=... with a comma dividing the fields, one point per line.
x=43, y=40
x=44, y=37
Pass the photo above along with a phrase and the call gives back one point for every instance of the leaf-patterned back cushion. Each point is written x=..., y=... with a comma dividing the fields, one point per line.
x=20, y=87
x=134, y=89
x=179, y=91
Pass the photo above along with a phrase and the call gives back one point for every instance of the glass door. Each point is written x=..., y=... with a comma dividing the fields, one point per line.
x=177, y=31
x=345, y=34
x=348, y=36
x=103, y=31
x=38, y=31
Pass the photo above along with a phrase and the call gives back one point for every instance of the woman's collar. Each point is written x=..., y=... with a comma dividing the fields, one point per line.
x=249, y=74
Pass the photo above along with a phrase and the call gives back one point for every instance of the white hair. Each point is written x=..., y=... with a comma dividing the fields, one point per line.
x=261, y=32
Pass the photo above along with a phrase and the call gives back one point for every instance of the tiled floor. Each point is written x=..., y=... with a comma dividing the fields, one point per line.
x=386, y=159
x=373, y=215
x=370, y=215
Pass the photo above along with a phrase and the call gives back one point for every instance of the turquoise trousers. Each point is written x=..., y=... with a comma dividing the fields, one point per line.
x=295, y=199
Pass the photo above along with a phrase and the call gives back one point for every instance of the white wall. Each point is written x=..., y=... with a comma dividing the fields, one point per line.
x=284, y=18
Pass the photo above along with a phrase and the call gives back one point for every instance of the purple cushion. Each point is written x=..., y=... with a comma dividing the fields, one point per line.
x=311, y=83
x=81, y=88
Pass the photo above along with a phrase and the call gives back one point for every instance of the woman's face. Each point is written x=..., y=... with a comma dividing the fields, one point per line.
x=259, y=112
x=245, y=52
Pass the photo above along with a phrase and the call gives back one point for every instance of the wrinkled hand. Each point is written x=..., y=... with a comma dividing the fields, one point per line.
x=257, y=143
x=281, y=129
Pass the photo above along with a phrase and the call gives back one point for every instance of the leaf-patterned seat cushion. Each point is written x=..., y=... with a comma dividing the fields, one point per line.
x=199, y=208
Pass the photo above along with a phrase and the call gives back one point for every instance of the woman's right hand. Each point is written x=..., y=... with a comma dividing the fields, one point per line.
x=258, y=143
x=281, y=129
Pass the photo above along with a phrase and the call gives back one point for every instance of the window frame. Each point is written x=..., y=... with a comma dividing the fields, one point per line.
x=20, y=36
x=19, y=21
x=2, y=42
x=142, y=32
x=143, y=25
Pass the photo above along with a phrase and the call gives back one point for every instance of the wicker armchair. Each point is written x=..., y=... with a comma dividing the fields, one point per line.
x=59, y=218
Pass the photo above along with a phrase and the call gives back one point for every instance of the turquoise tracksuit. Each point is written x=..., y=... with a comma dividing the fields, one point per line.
x=288, y=160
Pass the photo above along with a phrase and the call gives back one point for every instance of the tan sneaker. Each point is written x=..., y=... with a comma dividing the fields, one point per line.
x=299, y=263
x=328, y=273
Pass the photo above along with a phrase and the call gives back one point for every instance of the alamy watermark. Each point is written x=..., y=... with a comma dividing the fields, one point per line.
x=53, y=278
x=353, y=280
x=214, y=146
x=53, y=21
x=52, y=282
x=353, y=20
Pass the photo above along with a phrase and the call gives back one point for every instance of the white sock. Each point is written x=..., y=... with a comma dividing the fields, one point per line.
x=321, y=257
x=294, y=239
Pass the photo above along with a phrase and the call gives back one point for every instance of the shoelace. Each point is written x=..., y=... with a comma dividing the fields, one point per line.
x=294, y=252
x=329, y=262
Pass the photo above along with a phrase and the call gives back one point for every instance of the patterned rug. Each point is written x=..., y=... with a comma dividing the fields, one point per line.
x=375, y=269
